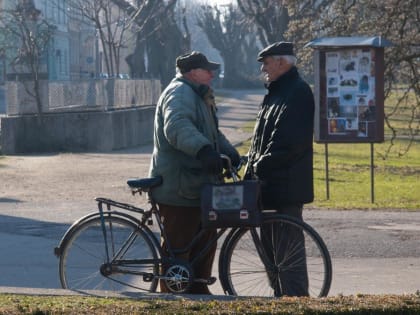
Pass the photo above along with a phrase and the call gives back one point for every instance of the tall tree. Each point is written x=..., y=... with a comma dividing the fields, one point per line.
x=150, y=24
x=228, y=32
x=26, y=36
x=270, y=17
x=113, y=23
x=395, y=20
x=159, y=39
x=301, y=21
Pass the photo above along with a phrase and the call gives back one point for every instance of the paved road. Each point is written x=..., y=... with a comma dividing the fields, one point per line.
x=373, y=252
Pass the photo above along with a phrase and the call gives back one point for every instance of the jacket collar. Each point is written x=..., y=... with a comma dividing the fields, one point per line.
x=283, y=79
x=200, y=89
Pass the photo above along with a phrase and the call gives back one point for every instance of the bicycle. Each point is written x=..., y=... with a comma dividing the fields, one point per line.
x=117, y=250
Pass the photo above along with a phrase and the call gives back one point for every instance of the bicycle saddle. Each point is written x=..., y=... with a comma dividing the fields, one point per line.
x=144, y=183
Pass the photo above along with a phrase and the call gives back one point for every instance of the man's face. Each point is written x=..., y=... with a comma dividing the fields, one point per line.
x=272, y=68
x=201, y=76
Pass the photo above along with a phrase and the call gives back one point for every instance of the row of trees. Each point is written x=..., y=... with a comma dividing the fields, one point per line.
x=395, y=20
x=300, y=21
x=147, y=25
x=161, y=30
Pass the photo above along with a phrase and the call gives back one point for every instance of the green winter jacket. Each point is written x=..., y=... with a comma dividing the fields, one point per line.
x=183, y=125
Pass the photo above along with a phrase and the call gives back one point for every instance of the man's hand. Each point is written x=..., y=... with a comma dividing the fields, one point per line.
x=235, y=158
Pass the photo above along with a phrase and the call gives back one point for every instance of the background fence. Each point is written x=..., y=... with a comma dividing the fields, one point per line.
x=65, y=96
x=91, y=115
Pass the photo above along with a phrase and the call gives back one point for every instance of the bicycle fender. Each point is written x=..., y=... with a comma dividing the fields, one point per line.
x=70, y=230
x=57, y=250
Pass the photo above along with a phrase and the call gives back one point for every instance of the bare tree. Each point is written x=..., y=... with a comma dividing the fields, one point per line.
x=113, y=21
x=149, y=24
x=395, y=20
x=231, y=35
x=301, y=21
x=271, y=18
x=159, y=39
x=26, y=36
x=143, y=13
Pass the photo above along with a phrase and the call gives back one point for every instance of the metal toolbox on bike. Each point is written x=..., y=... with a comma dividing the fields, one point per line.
x=235, y=204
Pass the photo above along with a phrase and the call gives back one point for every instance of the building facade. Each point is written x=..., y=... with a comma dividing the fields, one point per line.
x=72, y=48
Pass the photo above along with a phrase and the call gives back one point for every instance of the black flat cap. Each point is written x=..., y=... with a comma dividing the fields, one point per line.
x=195, y=60
x=279, y=48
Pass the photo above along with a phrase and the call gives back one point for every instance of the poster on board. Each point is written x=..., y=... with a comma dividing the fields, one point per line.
x=350, y=92
x=349, y=88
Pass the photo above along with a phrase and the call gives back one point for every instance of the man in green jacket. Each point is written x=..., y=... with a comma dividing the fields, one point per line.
x=186, y=153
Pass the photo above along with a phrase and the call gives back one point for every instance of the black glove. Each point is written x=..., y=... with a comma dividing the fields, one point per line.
x=235, y=158
x=210, y=159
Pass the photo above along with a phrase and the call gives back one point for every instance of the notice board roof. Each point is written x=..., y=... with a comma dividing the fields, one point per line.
x=353, y=41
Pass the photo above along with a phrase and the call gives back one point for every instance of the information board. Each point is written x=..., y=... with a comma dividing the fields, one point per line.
x=349, y=93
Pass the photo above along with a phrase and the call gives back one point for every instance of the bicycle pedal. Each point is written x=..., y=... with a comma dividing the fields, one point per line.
x=208, y=281
x=148, y=277
x=211, y=280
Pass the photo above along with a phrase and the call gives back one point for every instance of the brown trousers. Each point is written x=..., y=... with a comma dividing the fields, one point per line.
x=181, y=224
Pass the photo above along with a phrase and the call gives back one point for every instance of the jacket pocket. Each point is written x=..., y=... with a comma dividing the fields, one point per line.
x=301, y=183
x=190, y=182
x=275, y=190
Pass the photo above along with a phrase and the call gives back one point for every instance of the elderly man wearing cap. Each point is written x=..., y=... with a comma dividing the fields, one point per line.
x=281, y=151
x=186, y=153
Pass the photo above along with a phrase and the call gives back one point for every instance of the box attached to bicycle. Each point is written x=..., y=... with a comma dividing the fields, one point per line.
x=231, y=204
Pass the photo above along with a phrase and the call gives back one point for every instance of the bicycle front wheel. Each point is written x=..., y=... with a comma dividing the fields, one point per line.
x=126, y=261
x=284, y=256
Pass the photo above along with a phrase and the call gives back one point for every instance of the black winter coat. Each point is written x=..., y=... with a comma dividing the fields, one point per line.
x=281, y=153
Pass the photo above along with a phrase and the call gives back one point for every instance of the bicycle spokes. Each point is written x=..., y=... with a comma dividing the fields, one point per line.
x=283, y=257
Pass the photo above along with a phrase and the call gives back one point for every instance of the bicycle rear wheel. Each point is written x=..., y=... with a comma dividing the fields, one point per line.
x=84, y=264
x=268, y=262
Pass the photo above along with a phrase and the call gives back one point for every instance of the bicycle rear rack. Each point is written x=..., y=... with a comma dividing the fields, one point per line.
x=121, y=205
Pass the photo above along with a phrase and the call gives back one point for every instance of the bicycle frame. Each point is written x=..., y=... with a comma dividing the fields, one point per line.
x=147, y=215
x=114, y=261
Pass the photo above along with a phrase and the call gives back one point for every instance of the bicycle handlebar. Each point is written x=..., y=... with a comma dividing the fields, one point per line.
x=232, y=171
x=139, y=185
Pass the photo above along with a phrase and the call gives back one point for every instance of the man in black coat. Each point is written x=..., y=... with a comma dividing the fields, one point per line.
x=281, y=154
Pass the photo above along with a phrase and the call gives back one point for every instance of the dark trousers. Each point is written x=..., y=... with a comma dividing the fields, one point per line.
x=285, y=248
x=181, y=224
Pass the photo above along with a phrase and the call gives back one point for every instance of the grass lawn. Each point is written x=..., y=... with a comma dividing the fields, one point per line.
x=357, y=305
x=396, y=179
